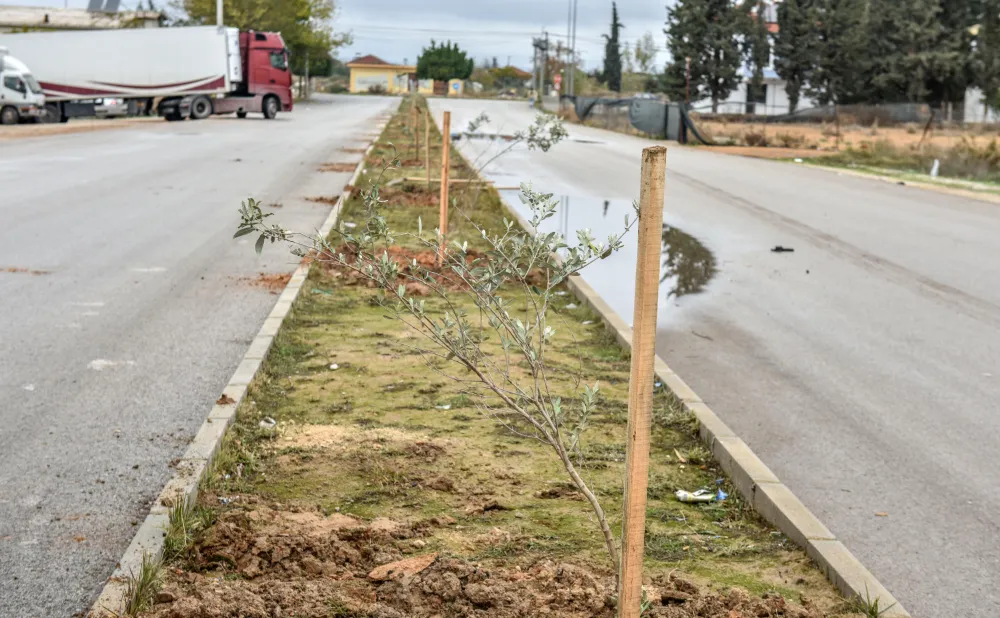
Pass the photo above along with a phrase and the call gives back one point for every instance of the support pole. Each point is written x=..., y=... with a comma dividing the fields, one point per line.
x=413, y=123
x=218, y=13
x=445, y=153
x=640, y=391
x=427, y=145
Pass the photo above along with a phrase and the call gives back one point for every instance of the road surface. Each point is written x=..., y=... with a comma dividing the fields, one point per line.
x=863, y=368
x=111, y=358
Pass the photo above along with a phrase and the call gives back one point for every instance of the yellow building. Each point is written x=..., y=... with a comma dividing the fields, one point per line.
x=370, y=73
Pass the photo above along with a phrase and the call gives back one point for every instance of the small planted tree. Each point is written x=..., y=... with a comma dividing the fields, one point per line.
x=497, y=350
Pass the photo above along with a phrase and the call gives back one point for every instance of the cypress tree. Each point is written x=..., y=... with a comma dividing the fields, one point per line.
x=795, y=46
x=839, y=58
x=612, y=73
x=708, y=32
x=756, y=47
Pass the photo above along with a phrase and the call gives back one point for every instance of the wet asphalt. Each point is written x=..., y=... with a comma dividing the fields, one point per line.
x=138, y=312
x=863, y=367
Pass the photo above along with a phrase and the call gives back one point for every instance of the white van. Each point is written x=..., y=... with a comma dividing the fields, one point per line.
x=21, y=97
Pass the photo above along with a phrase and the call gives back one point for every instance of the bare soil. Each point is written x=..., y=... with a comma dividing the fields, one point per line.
x=301, y=563
x=272, y=282
x=338, y=167
x=823, y=137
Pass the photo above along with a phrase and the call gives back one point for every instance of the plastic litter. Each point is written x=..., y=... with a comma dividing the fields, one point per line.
x=446, y=406
x=702, y=495
x=334, y=366
x=571, y=306
x=780, y=249
x=268, y=423
x=798, y=160
x=935, y=168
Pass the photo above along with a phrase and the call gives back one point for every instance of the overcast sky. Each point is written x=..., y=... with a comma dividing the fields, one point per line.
x=396, y=30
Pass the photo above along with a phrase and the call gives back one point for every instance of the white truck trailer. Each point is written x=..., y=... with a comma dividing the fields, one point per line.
x=179, y=73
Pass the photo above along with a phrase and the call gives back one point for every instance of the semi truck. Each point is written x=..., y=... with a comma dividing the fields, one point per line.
x=178, y=73
x=21, y=97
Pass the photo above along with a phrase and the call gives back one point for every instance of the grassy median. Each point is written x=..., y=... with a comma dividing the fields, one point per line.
x=378, y=458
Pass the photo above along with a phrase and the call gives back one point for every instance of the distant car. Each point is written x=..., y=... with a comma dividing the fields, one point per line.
x=110, y=108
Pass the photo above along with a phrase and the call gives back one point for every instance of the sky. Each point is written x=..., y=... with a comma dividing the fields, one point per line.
x=397, y=30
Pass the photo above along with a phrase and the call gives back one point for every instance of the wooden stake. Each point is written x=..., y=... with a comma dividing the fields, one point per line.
x=640, y=390
x=427, y=145
x=445, y=152
x=413, y=123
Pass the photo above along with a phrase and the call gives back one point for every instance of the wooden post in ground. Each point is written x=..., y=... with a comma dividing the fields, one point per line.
x=445, y=153
x=427, y=145
x=413, y=123
x=640, y=390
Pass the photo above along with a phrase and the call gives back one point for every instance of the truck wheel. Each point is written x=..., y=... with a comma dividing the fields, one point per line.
x=52, y=114
x=9, y=115
x=241, y=114
x=270, y=106
x=201, y=108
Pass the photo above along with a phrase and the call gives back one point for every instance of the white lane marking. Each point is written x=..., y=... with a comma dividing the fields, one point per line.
x=28, y=387
x=151, y=269
x=100, y=364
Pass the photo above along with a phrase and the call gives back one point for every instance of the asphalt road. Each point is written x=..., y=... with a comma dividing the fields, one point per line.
x=864, y=367
x=111, y=359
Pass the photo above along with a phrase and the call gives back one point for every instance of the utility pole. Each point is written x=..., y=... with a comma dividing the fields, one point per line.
x=541, y=46
x=572, y=51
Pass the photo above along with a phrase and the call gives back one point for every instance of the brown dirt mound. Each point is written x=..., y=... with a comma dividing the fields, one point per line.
x=304, y=564
x=338, y=167
x=272, y=282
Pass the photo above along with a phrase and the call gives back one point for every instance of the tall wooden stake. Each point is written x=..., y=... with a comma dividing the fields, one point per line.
x=640, y=390
x=427, y=145
x=413, y=123
x=445, y=152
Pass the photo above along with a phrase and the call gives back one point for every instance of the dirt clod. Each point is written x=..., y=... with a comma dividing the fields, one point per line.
x=402, y=568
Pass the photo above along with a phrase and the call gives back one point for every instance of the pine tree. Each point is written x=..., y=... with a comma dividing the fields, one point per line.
x=902, y=48
x=795, y=46
x=839, y=61
x=612, y=73
x=986, y=58
x=707, y=32
x=955, y=71
x=756, y=47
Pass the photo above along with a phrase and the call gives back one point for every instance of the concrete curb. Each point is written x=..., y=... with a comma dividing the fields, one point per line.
x=774, y=501
x=197, y=460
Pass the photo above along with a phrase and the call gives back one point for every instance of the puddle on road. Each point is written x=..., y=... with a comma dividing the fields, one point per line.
x=686, y=268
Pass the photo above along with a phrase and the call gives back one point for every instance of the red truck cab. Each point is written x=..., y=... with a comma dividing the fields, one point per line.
x=265, y=66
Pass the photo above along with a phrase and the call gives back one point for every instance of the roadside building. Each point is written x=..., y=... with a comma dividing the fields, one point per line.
x=372, y=74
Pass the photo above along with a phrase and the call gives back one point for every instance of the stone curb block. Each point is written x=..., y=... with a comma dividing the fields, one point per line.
x=752, y=478
x=183, y=485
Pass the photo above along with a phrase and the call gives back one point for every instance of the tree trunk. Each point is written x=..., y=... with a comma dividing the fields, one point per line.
x=609, y=537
